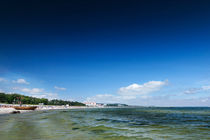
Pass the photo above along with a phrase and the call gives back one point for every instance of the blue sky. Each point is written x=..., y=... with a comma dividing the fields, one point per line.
x=134, y=52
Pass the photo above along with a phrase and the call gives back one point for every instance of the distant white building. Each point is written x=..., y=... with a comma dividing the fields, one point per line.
x=100, y=104
x=90, y=103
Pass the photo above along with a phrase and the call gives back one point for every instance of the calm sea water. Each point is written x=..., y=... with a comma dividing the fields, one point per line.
x=108, y=123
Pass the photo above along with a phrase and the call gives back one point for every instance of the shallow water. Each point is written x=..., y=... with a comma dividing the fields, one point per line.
x=108, y=123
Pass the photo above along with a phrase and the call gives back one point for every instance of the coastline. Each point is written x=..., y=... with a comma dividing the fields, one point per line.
x=10, y=110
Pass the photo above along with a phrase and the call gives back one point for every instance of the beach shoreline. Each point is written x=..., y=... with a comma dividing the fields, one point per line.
x=11, y=110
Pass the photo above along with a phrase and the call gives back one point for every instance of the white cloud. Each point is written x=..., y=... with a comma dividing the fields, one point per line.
x=107, y=98
x=204, y=100
x=164, y=100
x=20, y=81
x=31, y=91
x=196, y=90
x=59, y=88
x=52, y=95
x=130, y=93
x=206, y=87
x=2, y=79
x=146, y=88
x=49, y=96
x=37, y=92
x=192, y=90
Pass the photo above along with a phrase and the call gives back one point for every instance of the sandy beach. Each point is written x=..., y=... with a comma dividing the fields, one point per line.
x=10, y=110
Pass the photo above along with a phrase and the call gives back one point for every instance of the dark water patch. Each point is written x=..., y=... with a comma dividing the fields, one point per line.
x=45, y=111
x=98, y=131
x=103, y=119
x=204, y=126
x=75, y=128
x=207, y=126
x=138, y=123
x=126, y=138
x=74, y=123
x=101, y=129
x=43, y=118
x=119, y=121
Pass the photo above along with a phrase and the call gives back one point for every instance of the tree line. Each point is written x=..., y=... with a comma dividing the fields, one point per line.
x=17, y=98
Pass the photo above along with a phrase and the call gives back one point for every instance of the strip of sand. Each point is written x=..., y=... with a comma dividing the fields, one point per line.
x=11, y=110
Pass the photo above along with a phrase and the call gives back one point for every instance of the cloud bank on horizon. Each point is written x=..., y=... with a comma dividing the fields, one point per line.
x=130, y=92
x=146, y=94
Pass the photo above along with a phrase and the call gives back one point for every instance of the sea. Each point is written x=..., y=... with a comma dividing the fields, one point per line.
x=130, y=123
